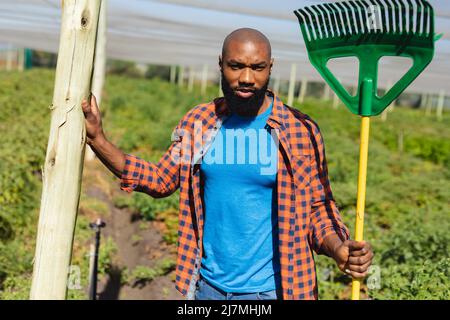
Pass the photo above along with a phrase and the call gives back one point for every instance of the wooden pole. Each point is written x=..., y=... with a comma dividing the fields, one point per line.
x=276, y=85
x=191, y=79
x=180, y=76
x=392, y=105
x=326, y=91
x=423, y=100
x=64, y=159
x=173, y=73
x=20, y=59
x=440, y=105
x=292, y=84
x=429, y=105
x=2, y=60
x=384, y=115
x=335, y=101
x=385, y=111
x=303, y=88
x=98, y=79
x=204, y=79
x=9, y=58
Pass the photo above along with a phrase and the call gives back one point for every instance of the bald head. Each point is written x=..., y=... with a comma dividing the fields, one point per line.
x=244, y=36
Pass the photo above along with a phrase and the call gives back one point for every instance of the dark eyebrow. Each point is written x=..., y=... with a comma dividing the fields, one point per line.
x=258, y=64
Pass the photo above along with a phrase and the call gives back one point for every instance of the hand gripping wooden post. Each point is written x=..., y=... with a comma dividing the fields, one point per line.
x=65, y=151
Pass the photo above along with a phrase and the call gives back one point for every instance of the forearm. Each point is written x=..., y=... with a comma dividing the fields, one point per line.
x=330, y=244
x=111, y=156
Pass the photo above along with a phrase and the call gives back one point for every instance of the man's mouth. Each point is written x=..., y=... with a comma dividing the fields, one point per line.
x=244, y=93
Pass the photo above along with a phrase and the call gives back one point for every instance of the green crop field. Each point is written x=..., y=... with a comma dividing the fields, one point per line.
x=408, y=184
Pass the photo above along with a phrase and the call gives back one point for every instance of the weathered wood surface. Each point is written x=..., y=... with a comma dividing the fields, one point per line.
x=65, y=151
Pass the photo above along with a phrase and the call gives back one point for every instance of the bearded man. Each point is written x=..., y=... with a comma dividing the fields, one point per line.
x=255, y=199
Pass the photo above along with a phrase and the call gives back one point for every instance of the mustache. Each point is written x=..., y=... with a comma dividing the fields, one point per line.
x=228, y=90
x=237, y=103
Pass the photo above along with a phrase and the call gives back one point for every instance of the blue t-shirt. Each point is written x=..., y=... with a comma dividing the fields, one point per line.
x=240, y=240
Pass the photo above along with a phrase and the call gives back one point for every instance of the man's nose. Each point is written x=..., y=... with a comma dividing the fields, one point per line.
x=247, y=77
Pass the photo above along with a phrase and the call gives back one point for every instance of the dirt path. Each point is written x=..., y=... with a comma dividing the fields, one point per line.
x=139, y=243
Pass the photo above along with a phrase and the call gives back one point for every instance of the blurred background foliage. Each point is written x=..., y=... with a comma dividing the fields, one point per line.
x=408, y=186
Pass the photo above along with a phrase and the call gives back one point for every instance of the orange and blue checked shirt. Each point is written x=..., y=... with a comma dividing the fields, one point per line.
x=307, y=212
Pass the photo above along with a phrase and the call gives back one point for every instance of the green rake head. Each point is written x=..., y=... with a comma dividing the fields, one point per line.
x=369, y=30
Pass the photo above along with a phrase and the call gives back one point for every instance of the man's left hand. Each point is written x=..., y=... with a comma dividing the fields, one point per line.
x=354, y=258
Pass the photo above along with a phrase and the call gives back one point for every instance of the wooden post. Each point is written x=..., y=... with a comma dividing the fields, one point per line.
x=191, y=79
x=2, y=60
x=326, y=91
x=335, y=101
x=429, y=105
x=173, y=73
x=392, y=105
x=423, y=100
x=20, y=59
x=9, y=58
x=400, y=141
x=98, y=79
x=204, y=79
x=64, y=159
x=302, y=92
x=276, y=85
x=440, y=105
x=385, y=111
x=292, y=84
x=180, y=76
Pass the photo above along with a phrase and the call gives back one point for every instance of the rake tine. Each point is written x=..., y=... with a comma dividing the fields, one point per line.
x=327, y=19
x=385, y=16
x=321, y=21
x=362, y=15
x=391, y=17
x=403, y=12
x=302, y=22
x=418, y=17
x=339, y=16
x=307, y=23
x=396, y=16
x=425, y=19
x=411, y=16
x=431, y=16
x=380, y=7
x=346, y=24
x=357, y=15
x=314, y=23
x=334, y=22
x=351, y=18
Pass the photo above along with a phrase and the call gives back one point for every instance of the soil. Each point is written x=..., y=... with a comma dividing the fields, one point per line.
x=138, y=242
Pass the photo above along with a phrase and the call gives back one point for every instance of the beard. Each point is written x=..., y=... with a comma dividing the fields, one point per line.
x=244, y=105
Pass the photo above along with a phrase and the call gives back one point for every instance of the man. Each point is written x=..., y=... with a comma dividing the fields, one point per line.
x=251, y=212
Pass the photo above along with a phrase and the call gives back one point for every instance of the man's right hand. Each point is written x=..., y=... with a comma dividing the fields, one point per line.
x=111, y=156
x=94, y=129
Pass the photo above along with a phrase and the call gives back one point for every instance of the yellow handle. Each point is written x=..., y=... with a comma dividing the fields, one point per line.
x=361, y=199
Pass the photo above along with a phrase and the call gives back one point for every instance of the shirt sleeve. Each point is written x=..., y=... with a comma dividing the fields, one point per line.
x=325, y=217
x=156, y=179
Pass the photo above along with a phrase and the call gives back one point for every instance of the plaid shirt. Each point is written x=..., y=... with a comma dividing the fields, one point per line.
x=307, y=212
